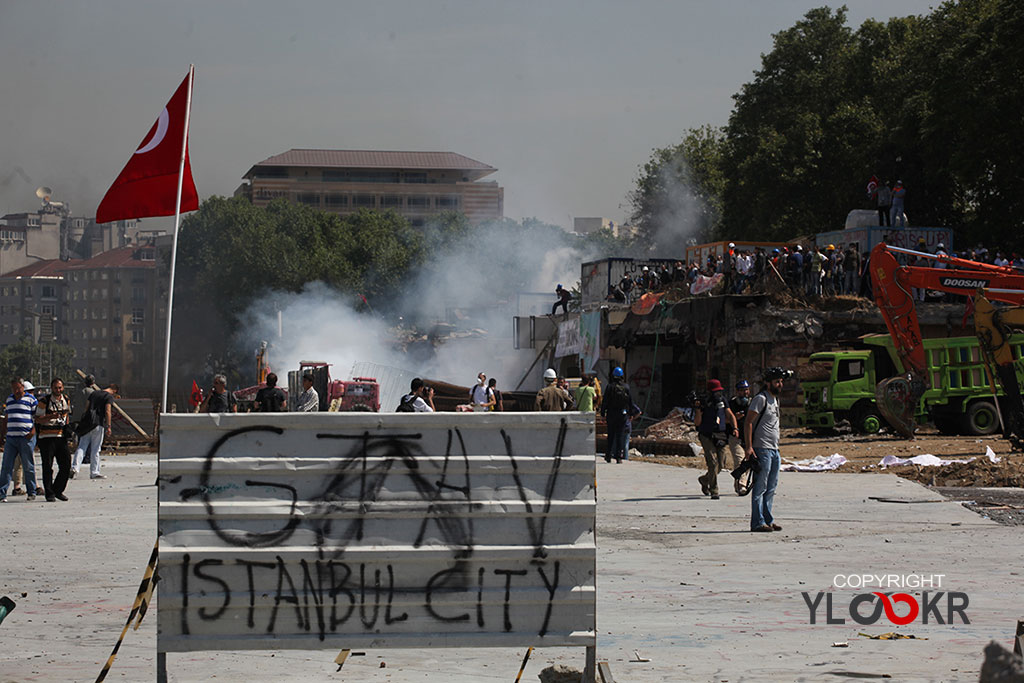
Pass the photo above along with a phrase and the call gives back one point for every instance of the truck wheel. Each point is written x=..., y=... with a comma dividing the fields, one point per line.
x=981, y=418
x=867, y=420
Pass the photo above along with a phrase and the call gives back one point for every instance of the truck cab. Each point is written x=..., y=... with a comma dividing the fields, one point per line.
x=840, y=385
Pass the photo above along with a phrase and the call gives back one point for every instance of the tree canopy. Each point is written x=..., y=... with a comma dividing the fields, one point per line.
x=933, y=100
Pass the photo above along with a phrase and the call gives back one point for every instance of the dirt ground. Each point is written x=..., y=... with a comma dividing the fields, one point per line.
x=993, y=490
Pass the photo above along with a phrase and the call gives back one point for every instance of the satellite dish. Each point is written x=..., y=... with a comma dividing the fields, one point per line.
x=44, y=192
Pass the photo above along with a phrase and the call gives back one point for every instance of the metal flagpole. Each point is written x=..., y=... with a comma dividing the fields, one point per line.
x=174, y=240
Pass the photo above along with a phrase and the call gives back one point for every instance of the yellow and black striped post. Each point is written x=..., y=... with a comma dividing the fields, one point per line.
x=139, y=607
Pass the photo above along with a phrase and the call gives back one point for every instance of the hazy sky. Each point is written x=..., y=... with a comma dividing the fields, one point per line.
x=566, y=99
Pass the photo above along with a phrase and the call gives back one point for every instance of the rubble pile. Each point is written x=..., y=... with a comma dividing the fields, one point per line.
x=675, y=427
x=979, y=472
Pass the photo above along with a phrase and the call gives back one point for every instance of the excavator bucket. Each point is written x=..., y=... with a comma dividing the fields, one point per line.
x=898, y=398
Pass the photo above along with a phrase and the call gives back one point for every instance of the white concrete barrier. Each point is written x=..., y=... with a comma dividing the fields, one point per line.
x=341, y=530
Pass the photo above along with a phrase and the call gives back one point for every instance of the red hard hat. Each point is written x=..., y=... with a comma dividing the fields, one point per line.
x=715, y=385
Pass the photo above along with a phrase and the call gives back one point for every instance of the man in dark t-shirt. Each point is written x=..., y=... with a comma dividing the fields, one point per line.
x=270, y=399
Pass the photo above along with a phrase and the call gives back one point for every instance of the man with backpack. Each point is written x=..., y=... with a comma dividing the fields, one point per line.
x=271, y=398
x=219, y=400
x=715, y=424
x=420, y=398
x=615, y=407
x=761, y=430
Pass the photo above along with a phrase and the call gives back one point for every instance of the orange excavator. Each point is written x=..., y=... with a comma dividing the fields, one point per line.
x=893, y=285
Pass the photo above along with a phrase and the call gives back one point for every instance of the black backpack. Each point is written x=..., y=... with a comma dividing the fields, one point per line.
x=406, y=404
x=617, y=398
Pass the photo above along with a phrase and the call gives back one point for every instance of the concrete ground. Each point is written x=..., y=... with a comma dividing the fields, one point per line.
x=681, y=580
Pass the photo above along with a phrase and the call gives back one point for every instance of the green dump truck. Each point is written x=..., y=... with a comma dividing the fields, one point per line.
x=840, y=385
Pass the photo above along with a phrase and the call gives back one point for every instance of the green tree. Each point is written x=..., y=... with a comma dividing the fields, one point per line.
x=679, y=192
x=38, y=363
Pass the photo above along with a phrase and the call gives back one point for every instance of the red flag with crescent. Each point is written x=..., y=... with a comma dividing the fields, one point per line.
x=148, y=184
x=872, y=186
x=197, y=395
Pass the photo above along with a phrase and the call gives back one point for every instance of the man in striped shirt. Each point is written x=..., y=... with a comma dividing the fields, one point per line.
x=18, y=425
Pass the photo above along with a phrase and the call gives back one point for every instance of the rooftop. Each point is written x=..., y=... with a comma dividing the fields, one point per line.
x=48, y=268
x=356, y=158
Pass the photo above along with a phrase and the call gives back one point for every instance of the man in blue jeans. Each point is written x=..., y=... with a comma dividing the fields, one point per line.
x=761, y=428
x=18, y=425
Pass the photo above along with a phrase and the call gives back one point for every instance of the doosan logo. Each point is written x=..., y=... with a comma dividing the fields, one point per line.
x=962, y=283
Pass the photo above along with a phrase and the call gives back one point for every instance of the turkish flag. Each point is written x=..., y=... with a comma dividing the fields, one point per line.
x=148, y=184
x=197, y=395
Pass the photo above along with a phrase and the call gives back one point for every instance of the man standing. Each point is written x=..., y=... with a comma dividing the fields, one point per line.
x=479, y=396
x=497, y=405
x=420, y=398
x=761, y=430
x=270, y=399
x=897, y=217
x=738, y=404
x=309, y=400
x=884, y=195
x=615, y=407
x=97, y=412
x=53, y=413
x=219, y=400
x=19, y=426
x=552, y=398
x=715, y=424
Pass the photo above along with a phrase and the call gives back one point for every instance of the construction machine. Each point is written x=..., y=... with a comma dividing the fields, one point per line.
x=893, y=286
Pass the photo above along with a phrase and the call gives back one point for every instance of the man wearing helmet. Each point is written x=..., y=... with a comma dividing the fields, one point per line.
x=761, y=431
x=738, y=404
x=615, y=408
x=552, y=398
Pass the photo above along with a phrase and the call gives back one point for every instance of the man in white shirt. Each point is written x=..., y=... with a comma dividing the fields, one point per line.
x=479, y=396
x=309, y=400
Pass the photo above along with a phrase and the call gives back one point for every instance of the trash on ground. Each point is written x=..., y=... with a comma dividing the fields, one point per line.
x=816, y=464
x=892, y=635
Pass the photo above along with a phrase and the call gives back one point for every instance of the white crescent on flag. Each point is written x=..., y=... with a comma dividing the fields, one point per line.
x=158, y=136
x=872, y=186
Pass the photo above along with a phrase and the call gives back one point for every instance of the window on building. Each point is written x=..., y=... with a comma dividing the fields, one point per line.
x=138, y=336
x=448, y=201
x=418, y=201
x=103, y=333
x=103, y=275
x=308, y=198
x=138, y=316
x=14, y=291
x=95, y=333
x=46, y=309
x=363, y=201
x=103, y=352
x=391, y=201
x=335, y=200
x=270, y=172
x=138, y=294
x=414, y=177
x=49, y=292
x=148, y=254
x=28, y=291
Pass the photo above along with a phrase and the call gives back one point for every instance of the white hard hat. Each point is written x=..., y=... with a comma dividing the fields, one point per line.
x=941, y=245
x=28, y=385
x=646, y=269
x=731, y=245
x=550, y=374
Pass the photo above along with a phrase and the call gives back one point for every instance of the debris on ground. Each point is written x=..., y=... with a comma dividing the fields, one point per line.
x=1001, y=665
x=841, y=644
x=981, y=472
x=892, y=635
x=818, y=463
x=560, y=673
x=676, y=426
x=924, y=460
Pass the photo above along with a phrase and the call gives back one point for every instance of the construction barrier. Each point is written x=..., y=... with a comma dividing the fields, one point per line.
x=359, y=530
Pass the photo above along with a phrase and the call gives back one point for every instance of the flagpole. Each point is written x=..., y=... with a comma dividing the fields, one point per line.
x=174, y=239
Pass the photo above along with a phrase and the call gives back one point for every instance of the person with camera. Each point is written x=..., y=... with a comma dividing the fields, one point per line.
x=52, y=424
x=738, y=404
x=715, y=424
x=761, y=430
x=420, y=398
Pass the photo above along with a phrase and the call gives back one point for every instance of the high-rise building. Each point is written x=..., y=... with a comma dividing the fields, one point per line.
x=414, y=184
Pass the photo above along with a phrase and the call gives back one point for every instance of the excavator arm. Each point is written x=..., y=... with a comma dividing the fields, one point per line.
x=893, y=286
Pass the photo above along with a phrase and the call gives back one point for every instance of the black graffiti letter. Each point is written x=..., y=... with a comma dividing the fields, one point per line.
x=252, y=587
x=388, y=619
x=480, y=597
x=438, y=582
x=184, y=594
x=198, y=571
x=318, y=599
x=552, y=586
x=339, y=587
x=282, y=574
x=509, y=573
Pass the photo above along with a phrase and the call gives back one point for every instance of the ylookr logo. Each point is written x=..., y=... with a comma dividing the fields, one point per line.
x=900, y=609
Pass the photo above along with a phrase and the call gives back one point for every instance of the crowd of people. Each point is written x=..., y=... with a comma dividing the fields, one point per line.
x=46, y=421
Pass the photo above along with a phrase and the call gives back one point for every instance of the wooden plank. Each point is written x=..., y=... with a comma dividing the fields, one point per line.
x=120, y=412
x=606, y=672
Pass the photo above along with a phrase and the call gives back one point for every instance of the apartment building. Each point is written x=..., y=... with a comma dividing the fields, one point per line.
x=414, y=184
x=111, y=309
